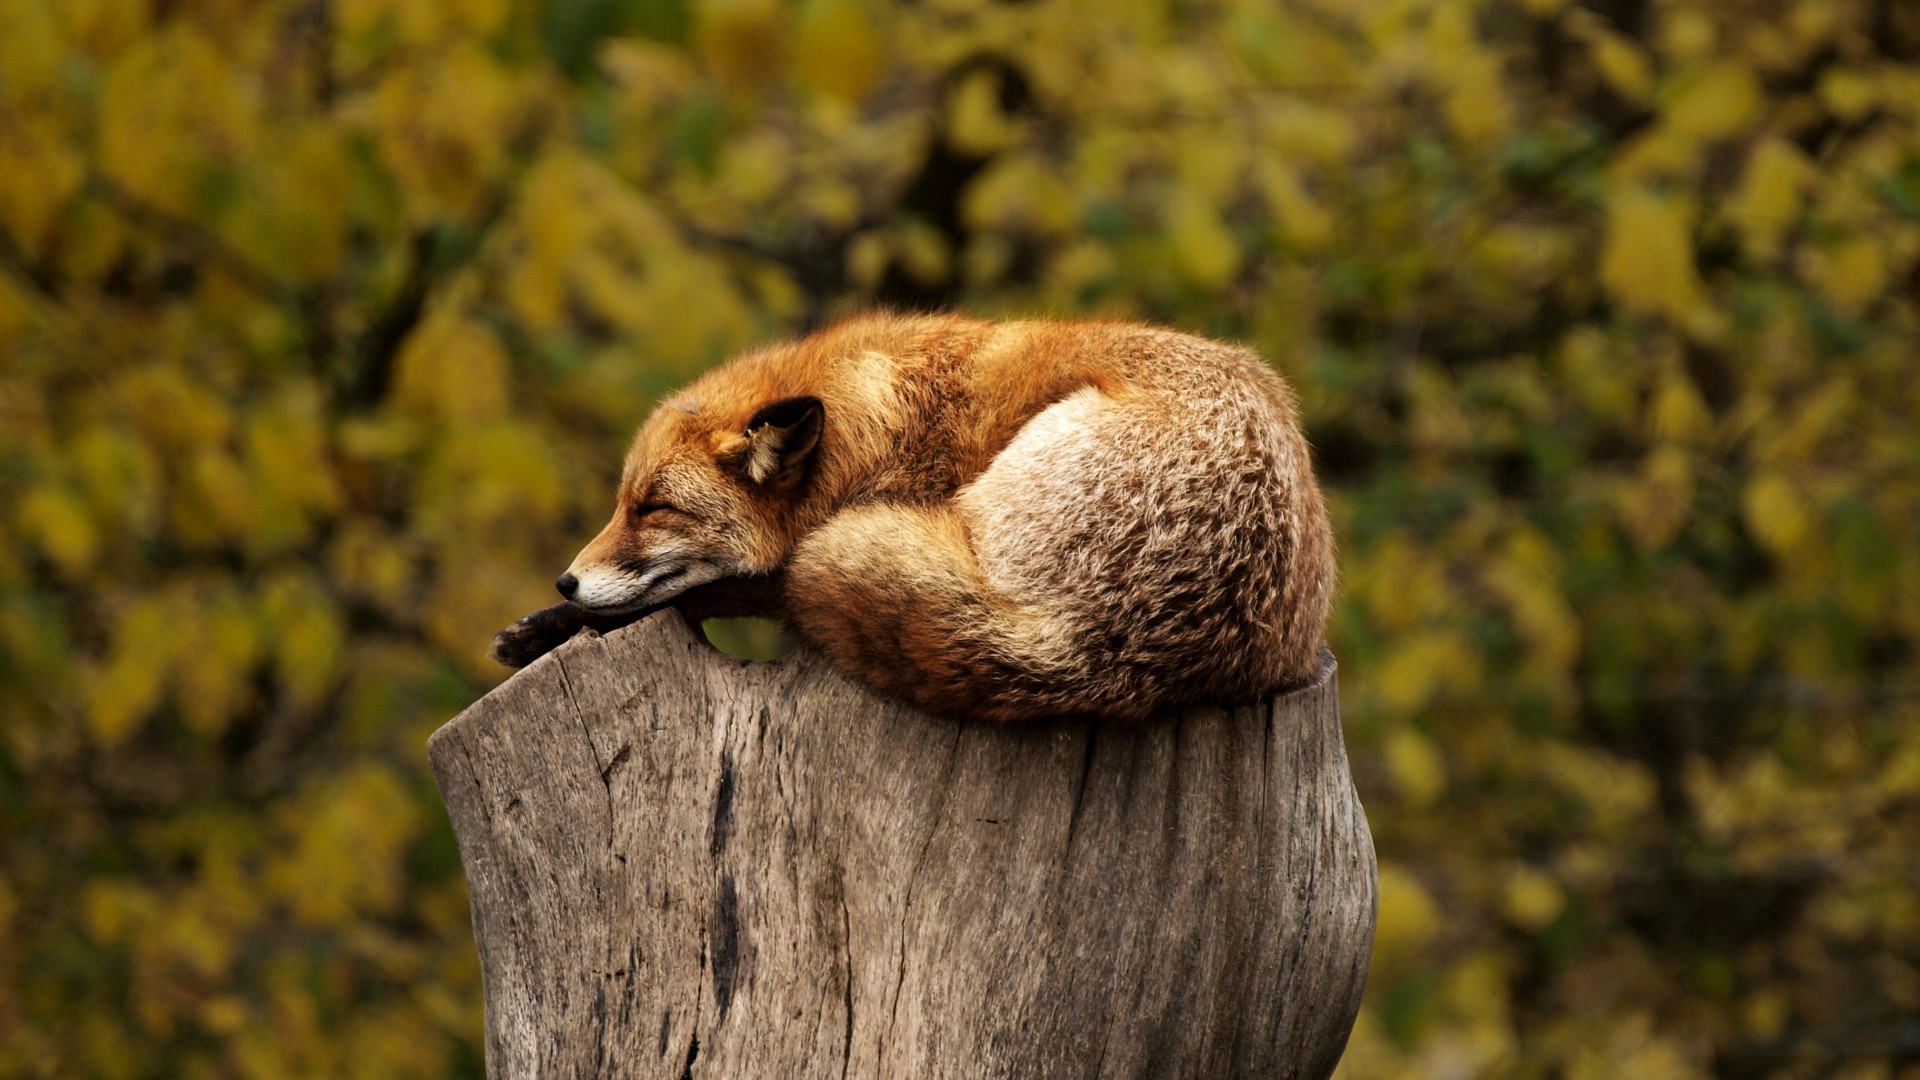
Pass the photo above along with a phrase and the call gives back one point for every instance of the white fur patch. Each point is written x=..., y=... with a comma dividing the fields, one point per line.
x=611, y=591
x=606, y=590
x=872, y=383
x=763, y=455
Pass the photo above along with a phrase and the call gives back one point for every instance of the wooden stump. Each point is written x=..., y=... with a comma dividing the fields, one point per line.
x=685, y=865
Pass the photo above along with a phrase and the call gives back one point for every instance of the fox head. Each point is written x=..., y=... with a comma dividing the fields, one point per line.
x=700, y=499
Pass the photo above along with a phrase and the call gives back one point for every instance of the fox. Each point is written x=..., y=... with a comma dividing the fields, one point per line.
x=1007, y=521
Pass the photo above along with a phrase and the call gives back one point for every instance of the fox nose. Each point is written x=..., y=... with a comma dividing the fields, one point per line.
x=567, y=584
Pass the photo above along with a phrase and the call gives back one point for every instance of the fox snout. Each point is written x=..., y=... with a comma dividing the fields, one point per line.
x=628, y=587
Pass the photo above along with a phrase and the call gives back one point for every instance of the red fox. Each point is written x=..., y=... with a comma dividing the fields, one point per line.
x=1004, y=521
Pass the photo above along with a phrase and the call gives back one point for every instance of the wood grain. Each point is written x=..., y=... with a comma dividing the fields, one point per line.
x=684, y=865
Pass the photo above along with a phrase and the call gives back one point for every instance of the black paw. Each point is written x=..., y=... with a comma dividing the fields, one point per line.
x=534, y=636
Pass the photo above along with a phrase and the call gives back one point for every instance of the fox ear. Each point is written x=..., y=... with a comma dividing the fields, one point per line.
x=781, y=436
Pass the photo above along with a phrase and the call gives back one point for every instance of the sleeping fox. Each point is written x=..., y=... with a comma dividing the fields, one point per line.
x=1004, y=521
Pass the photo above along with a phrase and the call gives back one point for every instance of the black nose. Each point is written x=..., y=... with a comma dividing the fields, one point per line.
x=567, y=584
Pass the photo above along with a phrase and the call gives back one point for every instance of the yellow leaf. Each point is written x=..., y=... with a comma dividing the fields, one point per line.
x=42, y=173
x=222, y=506
x=1661, y=152
x=224, y=1015
x=119, y=475
x=774, y=291
x=1476, y=105
x=1298, y=214
x=288, y=467
x=1777, y=513
x=1768, y=202
x=1413, y=674
x=307, y=637
x=1212, y=166
x=1203, y=249
x=1721, y=102
x=31, y=49
x=190, y=939
x=474, y=16
x=122, y=696
x=58, y=521
x=15, y=313
x=987, y=259
x=1019, y=190
x=421, y=24
x=975, y=124
x=1688, y=34
x=111, y=909
x=1417, y=769
x=1418, y=587
x=1660, y=505
x=213, y=672
x=1766, y=1013
x=1083, y=265
x=868, y=256
x=1533, y=900
x=93, y=240
x=1852, y=274
x=925, y=252
x=838, y=51
x=742, y=41
x=648, y=72
x=1848, y=93
x=1408, y=918
x=1436, y=423
x=370, y=561
x=1679, y=412
x=176, y=413
x=1638, y=1054
x=1297, y=131
x=1647, y=264
x=1621, y=61
x=1600, y=382
x=756, y=168
x=1526, y=577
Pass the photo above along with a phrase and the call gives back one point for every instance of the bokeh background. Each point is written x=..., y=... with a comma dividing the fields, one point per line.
x=323, y=324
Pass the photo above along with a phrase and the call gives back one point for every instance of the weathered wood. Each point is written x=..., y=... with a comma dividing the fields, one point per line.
x=684, y=865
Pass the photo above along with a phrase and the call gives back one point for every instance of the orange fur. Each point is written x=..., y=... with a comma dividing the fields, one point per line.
x=1006, y=521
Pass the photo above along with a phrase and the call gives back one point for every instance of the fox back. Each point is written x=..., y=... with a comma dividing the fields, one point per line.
x=1005, y=521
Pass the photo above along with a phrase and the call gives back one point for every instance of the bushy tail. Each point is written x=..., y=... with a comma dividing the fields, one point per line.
x=897, y=599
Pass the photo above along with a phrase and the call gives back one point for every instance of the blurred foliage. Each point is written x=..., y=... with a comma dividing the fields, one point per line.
x=323, y=324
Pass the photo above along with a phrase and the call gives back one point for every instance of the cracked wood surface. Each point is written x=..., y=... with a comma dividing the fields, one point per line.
x=685, y=865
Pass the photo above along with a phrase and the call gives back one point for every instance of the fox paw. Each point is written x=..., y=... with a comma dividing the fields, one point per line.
x=534, y=636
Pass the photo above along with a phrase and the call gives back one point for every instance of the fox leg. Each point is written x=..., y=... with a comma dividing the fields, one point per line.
x=895, y=595
x=535, y=635
x=758, y=597
x=539, y=633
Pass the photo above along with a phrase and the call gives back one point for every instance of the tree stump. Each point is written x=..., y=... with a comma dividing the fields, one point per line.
x=687, y=865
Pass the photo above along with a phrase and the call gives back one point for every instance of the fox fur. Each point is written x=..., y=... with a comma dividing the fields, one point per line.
x=1005, y=521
